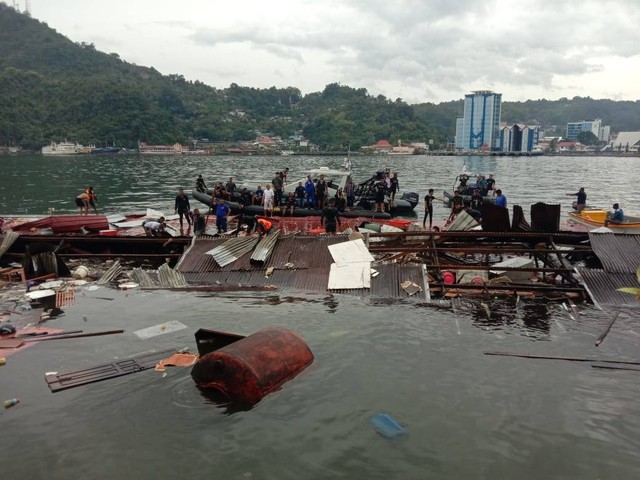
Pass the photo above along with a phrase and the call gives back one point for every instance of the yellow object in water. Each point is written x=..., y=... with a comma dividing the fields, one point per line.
x=594, y=215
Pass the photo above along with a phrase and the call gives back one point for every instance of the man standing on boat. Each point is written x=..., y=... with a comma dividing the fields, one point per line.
x=183, y=209
x=199, y=222
x=278, y=185
x=300, y=194
x=581, y=200
x=310, y=189
x=200, y=185
x=350, y=192
x=501, y=200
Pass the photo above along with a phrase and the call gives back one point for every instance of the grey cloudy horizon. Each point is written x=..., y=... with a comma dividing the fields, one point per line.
x=420, y=51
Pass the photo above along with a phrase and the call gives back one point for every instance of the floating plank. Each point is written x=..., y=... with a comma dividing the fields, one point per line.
x=161, y=329
x=64, y=381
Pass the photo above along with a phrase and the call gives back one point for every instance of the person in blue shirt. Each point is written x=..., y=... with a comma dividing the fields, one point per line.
x=310, y=189
x=501, y=200
x=617, y=216
x=222, y=212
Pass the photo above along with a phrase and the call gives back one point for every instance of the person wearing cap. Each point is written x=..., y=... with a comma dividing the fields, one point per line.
x=222, y=213
x=581, y=200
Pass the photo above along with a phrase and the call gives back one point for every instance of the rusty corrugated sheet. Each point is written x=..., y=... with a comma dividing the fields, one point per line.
x=618, y=252
x=545, y=218
x=309, y=257
x=603, y=287
x=494, y=218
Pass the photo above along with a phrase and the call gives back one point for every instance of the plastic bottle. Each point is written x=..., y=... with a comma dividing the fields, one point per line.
x=11, y=402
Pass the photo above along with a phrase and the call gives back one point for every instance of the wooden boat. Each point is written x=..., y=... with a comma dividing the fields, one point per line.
x=596, y=218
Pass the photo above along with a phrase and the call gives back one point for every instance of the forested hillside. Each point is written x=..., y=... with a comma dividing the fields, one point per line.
x=52, y=88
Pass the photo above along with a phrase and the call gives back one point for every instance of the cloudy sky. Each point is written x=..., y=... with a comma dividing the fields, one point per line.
x=418, y=50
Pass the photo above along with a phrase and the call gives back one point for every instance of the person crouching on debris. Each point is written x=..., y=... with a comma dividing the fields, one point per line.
x=263, y=226
x=222, y=213
x=93, y=198
x=82, y=201
x=199, y=222
x=154, y=228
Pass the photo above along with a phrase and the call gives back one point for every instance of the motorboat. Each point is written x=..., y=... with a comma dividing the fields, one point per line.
x=597, y=218
x=403, y=204
x=237, y=207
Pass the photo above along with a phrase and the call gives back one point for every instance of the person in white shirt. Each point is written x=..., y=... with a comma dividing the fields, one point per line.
x=267, y=200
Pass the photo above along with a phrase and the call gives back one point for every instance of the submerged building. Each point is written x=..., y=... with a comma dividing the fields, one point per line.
x=479, y=127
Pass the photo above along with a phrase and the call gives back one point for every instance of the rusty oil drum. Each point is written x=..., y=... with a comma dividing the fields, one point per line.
x=247, y=370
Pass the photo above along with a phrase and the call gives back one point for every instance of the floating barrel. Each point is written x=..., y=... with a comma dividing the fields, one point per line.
x=250, y=368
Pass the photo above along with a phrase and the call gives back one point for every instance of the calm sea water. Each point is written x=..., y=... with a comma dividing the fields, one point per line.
x=468, y=415
x=32, y=185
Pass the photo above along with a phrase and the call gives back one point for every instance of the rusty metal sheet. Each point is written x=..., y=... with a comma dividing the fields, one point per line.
x=603, y=287
x=494, y=218
x=545, y=218
x=618, y=252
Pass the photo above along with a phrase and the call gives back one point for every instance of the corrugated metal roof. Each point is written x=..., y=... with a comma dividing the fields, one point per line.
x=67, y=223
x=618, y=252
x=392, y=275
x=232, y=250
x=7, y=240
x=170, y=278
x=602, y=286
x=265, y=247
x=309, y=256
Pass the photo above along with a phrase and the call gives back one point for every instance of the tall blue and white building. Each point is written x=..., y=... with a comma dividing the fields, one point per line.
x=479, y=128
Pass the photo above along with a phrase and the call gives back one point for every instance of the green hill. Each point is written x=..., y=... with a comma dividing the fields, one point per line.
x=52, y=88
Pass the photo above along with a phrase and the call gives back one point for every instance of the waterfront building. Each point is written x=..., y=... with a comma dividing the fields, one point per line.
x=627, y=142
x=479, y=127
x=519, y=137
x=594, y=126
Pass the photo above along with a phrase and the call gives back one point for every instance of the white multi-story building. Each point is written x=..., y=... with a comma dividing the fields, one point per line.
x=479, y=127
x=594, y=126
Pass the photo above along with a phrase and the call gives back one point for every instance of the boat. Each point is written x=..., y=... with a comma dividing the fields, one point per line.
x=467, y=191
x=105, y=151
x=63, y=148
x=237, y=208
x=175, y=149
x=596, y=218
x=401, y=205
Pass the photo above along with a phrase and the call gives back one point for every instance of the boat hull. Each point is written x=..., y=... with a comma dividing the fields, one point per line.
x=298, y=212
x=631, y=224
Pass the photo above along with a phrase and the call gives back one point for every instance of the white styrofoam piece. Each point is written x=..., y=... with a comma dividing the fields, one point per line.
x=354, y=251
x=350, y=276
x=161, y=329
